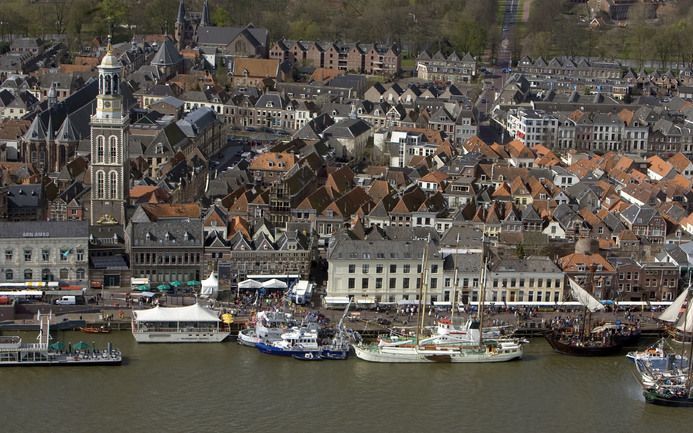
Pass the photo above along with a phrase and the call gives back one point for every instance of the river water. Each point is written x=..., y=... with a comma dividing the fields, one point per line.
x=229, y=388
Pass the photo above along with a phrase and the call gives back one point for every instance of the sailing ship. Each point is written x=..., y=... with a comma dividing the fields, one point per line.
x=674, y=386
x=604, y=340
x=424, y=350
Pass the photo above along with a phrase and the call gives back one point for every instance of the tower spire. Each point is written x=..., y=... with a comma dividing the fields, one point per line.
x=205, y=22
x=180, y=18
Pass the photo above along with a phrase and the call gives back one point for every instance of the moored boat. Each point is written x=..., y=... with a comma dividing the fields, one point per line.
x=15, y=353
x=269, y=326
x=604, y=340
x=469, y=347
x=191, y=324
x=673, y=386
x=95, y=330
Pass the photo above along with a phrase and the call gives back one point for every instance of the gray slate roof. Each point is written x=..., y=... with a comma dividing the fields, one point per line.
x=44, y=229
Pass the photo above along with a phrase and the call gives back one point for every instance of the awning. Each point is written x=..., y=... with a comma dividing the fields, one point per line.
x=365, y=301
x=336, y=300
x=191, y=313
x=274, y=284
x=407, y=302
x=249, y=284
x=442, y=303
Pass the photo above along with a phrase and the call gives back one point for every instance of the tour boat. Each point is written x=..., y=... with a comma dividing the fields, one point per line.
x=191, y=324
x=15, y=353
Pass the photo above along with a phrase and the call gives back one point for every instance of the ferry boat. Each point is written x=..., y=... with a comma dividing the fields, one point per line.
x=15, y=353
x=191, y=324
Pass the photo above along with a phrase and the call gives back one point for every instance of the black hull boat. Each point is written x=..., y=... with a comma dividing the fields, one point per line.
x=577, y=347
x=629, y=340
x=654, y=397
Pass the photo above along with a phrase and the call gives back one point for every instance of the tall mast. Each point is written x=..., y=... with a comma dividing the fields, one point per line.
x=422, y=292
x=482, y=297
x=455, y=282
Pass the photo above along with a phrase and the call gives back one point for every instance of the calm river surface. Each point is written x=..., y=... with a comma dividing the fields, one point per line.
x=229, y=388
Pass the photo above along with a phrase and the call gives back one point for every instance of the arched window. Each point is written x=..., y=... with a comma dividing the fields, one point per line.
x=101, y=84
x=28, y=275
x=108, y=85
x=9, y=275
x=115, y=84
x=100, y=148
x=113, y=148
x=100, y=181
x=80, y=274
x=64, y=274
x=113, y=185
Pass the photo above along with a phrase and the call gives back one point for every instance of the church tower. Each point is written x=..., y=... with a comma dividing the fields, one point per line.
x=110, y=165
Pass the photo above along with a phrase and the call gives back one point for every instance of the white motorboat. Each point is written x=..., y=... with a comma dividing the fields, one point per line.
x=269, y=326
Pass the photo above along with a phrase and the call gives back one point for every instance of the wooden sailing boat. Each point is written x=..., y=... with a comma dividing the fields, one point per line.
x=601, y=341
x=676, y=390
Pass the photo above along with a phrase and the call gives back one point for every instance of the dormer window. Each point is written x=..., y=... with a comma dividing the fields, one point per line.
x=186, y=235
x=600, y=268
x=581, y=268
x=148, y=236
x=167, y=236
x=269, y=104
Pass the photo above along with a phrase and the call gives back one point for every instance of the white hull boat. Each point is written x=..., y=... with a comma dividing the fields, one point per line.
x=501, y=352
x=195, y=336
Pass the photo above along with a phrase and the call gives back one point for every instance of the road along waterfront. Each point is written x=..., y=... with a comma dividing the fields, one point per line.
x=226, y=387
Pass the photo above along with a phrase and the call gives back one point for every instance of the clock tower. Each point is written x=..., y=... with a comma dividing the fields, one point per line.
x=110, y=164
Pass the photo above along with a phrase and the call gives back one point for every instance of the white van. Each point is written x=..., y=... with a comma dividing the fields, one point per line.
x=66, y=300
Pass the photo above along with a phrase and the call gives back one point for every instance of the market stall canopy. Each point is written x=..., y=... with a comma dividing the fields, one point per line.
x=81, y=345
x=58, y=345
x=191, y=313
x=249, y=284
x=210, y=287
x=336, y=300
x=274, y=284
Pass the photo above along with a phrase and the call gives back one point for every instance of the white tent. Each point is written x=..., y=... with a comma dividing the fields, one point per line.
x=210, y=287
x=191, y=313
x=274, y=284
x=249, y=284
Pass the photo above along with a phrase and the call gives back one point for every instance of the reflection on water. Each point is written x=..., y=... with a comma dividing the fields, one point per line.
x=224, y=387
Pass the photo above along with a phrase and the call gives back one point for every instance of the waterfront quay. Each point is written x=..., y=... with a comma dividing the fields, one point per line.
x=115, y=313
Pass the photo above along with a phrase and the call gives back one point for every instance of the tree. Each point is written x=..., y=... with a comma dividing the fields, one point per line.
x=221, y=17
